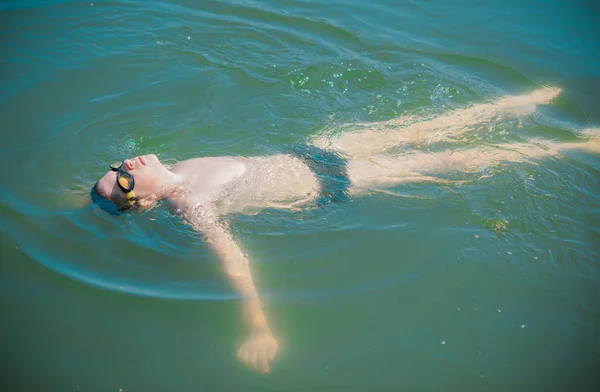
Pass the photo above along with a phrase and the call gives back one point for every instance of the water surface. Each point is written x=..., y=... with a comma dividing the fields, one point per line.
x=491, y=285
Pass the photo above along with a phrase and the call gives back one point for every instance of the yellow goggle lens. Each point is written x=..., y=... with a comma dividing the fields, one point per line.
x=124, y=182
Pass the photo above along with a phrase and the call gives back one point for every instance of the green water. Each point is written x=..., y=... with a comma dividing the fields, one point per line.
x=491, y=285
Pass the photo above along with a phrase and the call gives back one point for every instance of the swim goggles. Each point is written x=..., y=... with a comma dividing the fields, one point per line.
x=125, y=181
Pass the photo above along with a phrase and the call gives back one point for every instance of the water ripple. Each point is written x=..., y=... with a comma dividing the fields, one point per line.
x=175, y=78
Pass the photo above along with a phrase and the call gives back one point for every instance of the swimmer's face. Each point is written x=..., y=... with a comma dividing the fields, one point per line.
x=144, y=169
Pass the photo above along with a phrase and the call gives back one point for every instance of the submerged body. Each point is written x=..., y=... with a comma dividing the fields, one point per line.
x=244, y=185
x=204, y=190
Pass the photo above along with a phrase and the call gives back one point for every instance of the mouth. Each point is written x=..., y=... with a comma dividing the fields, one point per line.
x=142, y=160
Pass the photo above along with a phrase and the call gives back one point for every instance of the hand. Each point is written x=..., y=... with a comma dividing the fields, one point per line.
x=258, y=350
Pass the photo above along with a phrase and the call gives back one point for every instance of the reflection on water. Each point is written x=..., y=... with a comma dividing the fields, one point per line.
x=488, y=283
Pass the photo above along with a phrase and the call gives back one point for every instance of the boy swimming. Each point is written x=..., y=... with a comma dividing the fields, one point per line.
x=330, y=169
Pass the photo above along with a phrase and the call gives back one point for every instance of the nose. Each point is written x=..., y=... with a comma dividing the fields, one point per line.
x=129, y=164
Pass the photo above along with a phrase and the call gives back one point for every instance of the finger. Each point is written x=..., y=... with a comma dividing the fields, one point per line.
x=271, y=351
x=244, y=357
x=254, y=359
x=263, y=363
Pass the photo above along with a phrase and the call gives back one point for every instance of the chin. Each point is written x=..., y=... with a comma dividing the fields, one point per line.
x=152, y=159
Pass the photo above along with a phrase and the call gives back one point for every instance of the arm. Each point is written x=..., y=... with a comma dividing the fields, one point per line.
x=261, y=346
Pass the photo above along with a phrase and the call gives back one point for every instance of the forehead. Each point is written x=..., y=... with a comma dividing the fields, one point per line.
x=107, y=187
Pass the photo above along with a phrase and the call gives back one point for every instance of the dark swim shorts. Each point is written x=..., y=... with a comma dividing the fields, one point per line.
x=330, y=169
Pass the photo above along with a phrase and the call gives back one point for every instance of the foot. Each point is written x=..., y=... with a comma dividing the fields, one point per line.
x=523, y=105
x=590, y=146
x=544, y=95
x=591, y=132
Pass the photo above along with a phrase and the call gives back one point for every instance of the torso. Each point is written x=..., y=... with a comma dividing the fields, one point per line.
x=245, y=185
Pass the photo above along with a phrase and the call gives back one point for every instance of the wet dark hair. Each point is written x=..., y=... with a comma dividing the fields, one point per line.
x=106, y=205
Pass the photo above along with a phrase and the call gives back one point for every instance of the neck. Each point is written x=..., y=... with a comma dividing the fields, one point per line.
x=170, y=184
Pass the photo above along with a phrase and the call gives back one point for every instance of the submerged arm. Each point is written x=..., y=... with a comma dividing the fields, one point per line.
x=261, y=346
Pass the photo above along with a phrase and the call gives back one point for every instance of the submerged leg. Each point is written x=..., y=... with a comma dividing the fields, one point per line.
x=375, y=138
x=387, y=171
